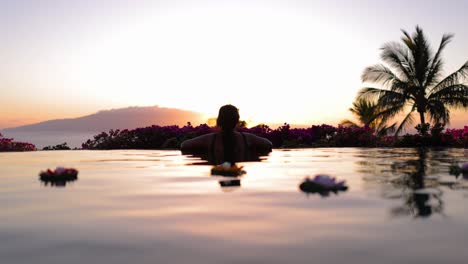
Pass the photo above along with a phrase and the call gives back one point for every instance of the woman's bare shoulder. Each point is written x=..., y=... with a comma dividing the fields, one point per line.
x=256, y=140
x=250, y=135
x=197, y=142
x=204, y=137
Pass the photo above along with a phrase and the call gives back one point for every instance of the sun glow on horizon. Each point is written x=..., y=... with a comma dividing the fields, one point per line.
x=297, y=62
x=270, y=64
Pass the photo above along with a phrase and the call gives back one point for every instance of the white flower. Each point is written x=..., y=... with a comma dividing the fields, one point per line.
x=327, y=181
x=226, y=165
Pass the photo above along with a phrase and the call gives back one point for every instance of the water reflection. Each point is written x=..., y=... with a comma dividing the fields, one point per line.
x=418, y=201
x=323, y=193
x=414, y=180
x=229, y=185
x=457, y=170
x=57, y=183
x=208, y=160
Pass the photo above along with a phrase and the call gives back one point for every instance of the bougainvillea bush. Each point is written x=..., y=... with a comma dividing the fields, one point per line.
x=7, y=144
x=455, y=137
x=437, y=138
x=152, y=137
x=162, y=137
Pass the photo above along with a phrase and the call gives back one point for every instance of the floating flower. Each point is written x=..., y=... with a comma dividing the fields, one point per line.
x=465, y=167
x=322, y=184
x=60, y=176
x=456, y=170
x=227, y=169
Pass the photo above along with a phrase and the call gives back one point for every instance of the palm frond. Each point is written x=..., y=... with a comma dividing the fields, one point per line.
x=438, y=112
x=422, y=55
x=348, y=123
x=407, y=39
x=370, y=93
x=408, y=120
x=389, y=112
x=402, y=87
x=392, y=98
x=437, y=63
x=379, y=73
x=454, y=78
x=364, y=110
x=376, y=93
x=399, y=58
x=454, y=96
x=384, y=130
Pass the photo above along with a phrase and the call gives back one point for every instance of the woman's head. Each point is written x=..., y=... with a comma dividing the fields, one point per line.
x=228, y=117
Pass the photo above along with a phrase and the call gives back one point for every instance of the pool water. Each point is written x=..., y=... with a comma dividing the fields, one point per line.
x=149, y=206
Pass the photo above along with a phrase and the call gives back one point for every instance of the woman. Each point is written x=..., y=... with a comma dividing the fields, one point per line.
x=228, y=145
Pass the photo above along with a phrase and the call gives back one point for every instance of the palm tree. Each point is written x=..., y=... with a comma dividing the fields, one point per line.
x=411, y=79
x=368, y=114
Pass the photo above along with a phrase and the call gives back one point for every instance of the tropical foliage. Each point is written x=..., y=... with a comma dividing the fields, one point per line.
x=7, y=144
x=410, y=80
x=63, y=146
x=368, y=114
x=170, y=137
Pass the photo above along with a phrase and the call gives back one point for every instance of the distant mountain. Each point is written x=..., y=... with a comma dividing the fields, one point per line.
x=131, y=117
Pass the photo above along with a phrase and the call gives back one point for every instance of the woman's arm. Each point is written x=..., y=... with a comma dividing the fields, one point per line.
x=264, y=145
x=259, y=144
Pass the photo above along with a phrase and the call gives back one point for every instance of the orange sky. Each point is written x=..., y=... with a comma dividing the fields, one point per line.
x=296, y=62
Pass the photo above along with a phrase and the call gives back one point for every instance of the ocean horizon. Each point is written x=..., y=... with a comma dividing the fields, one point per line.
x=50, y=138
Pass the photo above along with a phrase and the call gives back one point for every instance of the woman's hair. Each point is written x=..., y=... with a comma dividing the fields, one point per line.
x=228, y=117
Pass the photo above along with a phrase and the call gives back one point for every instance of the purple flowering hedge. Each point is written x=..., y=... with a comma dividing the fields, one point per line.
x=7, y=144
x=170, y=137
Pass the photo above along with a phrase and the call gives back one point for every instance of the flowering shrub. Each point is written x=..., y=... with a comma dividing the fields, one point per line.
x=437, y=138
x=153, y=137
x=7, y=144
x=455, y=137
x=355, y=137
x=162, y=137
x=63, y=146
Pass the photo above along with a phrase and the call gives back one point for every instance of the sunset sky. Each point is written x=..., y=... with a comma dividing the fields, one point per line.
x=278, y=61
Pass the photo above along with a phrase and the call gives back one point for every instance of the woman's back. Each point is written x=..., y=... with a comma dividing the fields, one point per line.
x=239, y=147
x=228, y=145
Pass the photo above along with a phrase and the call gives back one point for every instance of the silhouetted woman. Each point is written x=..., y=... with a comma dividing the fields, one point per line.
x=228, y=144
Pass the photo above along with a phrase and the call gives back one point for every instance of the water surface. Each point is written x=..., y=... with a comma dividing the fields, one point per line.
x=138, y=206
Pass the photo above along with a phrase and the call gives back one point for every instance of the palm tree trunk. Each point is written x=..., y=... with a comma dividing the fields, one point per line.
x=424, y=129
x=421, y=115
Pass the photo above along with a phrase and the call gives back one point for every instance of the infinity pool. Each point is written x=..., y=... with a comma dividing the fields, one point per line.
x=137, y=206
